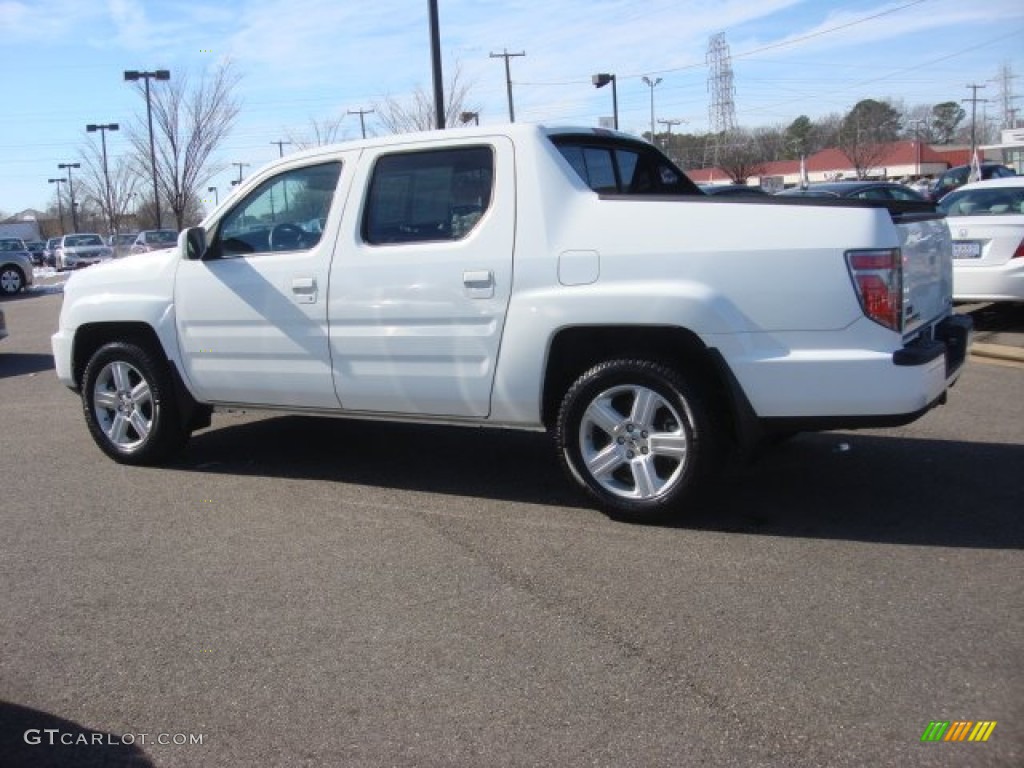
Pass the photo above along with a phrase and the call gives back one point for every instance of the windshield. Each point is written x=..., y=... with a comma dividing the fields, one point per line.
x=162, y=237
x=993, y=201
x=75, y=241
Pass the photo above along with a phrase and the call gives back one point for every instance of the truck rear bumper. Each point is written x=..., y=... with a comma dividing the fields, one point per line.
x=814, y=389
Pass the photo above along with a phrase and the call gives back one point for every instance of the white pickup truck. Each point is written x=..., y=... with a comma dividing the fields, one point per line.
x=570, y=280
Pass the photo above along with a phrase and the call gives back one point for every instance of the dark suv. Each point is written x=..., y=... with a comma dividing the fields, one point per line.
x=958, y=175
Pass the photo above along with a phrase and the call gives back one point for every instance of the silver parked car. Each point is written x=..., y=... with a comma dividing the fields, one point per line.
x=15, y=266
x=155, y=240
x=122, y=243
x=81, y=250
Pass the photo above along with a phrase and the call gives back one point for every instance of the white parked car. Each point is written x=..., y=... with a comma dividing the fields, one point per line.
x=986, y=220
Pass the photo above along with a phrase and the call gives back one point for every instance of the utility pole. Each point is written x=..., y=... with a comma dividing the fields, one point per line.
x=668, y=141
x=280, y=147
x=917, y=143
x=240, y=166
x=508, y=79
x=974, y=117
x=362, y=121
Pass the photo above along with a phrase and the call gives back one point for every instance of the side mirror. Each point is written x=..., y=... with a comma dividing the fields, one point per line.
x=192, y=243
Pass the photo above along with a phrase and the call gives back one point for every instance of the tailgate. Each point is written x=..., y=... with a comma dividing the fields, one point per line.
x=927, y=265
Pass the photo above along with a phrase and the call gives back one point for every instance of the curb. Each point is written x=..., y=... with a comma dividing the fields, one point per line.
x=997, y=352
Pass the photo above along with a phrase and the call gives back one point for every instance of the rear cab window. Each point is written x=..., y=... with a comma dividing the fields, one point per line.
x=611, y=165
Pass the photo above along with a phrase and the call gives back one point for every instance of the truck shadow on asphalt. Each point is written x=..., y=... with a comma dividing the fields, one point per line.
x=19, y=364
x=33, y=739
x=839, y=485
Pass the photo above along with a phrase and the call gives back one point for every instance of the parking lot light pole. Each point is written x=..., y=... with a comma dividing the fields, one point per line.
x=60, y=202
x=650, y=84
x=91, y=128
x=71, y=192
x=132, y=75
x=600, y=81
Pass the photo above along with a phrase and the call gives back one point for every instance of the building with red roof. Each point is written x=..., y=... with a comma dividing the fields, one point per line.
x=900, y=160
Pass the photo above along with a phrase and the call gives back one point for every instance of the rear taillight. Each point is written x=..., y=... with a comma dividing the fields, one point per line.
x=1019, y=253
x=878, y=277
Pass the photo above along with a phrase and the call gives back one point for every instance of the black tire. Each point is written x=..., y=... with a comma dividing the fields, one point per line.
x=11, y=280
x=129, y=403
x=637, y=437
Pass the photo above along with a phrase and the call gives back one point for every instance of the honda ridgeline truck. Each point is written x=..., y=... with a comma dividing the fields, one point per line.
x=568, y=280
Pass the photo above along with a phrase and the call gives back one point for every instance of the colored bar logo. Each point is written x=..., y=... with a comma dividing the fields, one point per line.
x=958, y=730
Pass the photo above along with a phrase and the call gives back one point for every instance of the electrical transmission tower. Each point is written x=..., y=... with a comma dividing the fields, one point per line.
x=1006, y=95
x=722, y=111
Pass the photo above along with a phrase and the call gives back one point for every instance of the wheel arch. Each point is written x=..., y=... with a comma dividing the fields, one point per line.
x=573, y=351
x=91, y=336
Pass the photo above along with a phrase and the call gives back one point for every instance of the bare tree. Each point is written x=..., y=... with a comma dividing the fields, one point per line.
x=771, y=143
x=124, y=180
x=739, y=156
x=417, y=114
x=321, y=133
x=189, y=125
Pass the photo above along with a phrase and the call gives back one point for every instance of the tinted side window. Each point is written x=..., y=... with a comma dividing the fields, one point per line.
x=428, y=196
x=284, y=213
x=615, y=167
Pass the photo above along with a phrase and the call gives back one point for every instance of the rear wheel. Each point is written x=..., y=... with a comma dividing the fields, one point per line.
x=637, y=437
x=129, y=405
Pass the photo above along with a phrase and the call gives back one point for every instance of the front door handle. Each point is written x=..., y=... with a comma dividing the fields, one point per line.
x=479, y=283
x=304, y=289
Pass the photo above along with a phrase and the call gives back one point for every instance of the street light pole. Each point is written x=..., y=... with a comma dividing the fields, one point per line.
x=435, y=66
x=60, y=202
x=600, y=81
x=133, y=75
x=216, y=196
x=106, y=174
x=650, y=84
x=71, y=191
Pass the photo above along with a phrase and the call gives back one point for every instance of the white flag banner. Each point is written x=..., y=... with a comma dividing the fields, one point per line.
x=975, y=174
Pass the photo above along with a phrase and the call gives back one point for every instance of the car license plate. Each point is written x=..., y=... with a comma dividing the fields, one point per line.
x=966, y=249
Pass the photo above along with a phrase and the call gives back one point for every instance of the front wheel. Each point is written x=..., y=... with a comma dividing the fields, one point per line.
x=11, y=280
x=636, y=436
x=129, y=405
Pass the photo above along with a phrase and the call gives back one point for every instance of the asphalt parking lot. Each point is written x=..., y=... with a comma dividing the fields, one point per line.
x=305, y=592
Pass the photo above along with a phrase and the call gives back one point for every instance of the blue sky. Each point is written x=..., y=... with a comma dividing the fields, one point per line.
x=62, y=63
